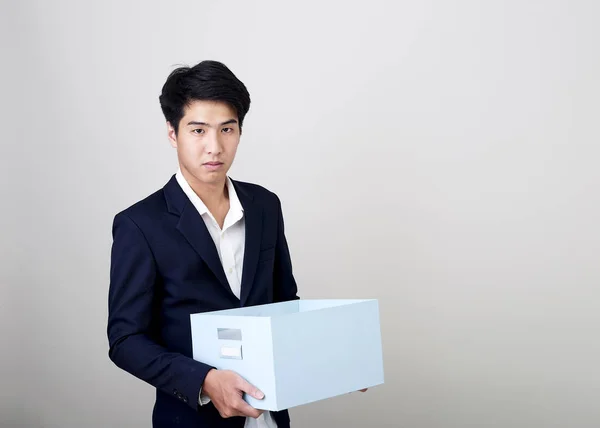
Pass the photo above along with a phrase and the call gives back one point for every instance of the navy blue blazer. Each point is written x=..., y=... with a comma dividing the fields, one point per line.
x=164, y=267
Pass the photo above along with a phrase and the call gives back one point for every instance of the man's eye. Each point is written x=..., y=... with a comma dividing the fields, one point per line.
x=227, y=130
x=198, y=131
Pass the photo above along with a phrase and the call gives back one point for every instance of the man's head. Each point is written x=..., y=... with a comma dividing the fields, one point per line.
x=205, y=107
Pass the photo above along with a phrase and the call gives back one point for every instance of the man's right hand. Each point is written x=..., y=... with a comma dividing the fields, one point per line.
x=225, y=389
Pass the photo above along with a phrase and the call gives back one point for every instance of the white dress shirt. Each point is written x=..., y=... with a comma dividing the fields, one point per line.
x=230, y=242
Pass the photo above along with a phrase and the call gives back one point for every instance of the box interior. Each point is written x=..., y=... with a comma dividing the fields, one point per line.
x=286, y=308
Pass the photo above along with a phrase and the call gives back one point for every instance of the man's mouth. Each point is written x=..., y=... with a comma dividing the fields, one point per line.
x=212, y=166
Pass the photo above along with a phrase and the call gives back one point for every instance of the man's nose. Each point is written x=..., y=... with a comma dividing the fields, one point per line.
x=213, y=144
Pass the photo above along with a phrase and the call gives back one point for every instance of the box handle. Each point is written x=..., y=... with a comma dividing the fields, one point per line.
x=230, y=351
x=233, y=352
x=229, y=334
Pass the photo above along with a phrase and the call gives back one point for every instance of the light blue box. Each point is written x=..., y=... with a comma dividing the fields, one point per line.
x=295, y=352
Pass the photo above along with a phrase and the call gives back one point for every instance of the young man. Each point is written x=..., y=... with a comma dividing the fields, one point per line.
x=203, y=242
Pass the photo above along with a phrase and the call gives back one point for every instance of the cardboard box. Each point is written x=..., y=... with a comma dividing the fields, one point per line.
x=295, y=352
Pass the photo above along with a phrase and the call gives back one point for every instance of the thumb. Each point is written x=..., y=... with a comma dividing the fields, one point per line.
x=251, y=390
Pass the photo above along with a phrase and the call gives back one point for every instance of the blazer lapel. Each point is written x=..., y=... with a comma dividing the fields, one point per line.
x=253, y=220
x=194, y=230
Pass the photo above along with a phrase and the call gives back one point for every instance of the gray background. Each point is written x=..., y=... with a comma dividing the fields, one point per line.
x=439, y=156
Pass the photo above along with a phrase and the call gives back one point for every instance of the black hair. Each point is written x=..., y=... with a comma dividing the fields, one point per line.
x=207, y=80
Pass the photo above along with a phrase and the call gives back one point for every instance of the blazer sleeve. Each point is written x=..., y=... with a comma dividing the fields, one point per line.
x=131, y=298
x=284, y=283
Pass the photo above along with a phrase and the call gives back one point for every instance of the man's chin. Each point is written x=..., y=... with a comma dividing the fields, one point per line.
x=208, y=178
x=212, y=178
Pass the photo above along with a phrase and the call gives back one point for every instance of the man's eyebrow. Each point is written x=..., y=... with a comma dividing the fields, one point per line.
x=196, y=123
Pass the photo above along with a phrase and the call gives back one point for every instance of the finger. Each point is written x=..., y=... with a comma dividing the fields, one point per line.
x=250, y=389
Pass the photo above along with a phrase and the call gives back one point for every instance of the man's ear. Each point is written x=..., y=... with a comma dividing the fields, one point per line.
x=172, y=135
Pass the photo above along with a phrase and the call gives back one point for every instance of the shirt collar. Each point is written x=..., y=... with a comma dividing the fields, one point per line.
x=235, y=205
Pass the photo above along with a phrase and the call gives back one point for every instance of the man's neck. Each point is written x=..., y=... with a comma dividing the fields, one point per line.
x=214, y=195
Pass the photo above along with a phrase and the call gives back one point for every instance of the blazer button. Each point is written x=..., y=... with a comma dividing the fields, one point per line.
x=185, y=400
x=175, y=392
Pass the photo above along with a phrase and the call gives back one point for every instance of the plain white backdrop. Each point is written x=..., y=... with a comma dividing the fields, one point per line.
x=439, y=156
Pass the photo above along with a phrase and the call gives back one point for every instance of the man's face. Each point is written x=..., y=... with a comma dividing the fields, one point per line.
x=207, y=141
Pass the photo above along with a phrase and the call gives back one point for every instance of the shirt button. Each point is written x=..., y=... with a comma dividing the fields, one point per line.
x=230, y=270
